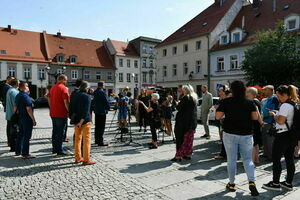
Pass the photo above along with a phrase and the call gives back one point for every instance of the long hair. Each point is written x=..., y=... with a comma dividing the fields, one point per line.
x=238, y=89
x=291, y=91
x=189, y=91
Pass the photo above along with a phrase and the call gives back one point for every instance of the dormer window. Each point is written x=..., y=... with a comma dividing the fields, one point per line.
x=60, y=58
x=292, y=24
x=3, y=51
x=236, y=37
x=224, y=39
x=27, y=53
x=73, y=59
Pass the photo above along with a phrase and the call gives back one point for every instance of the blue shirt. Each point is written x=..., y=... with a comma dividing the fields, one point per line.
x=268, y=104
x=82, y=107
x=6, y=87
x=22, y=101
x=122, y=107
x=101, y=104
x=10, y=102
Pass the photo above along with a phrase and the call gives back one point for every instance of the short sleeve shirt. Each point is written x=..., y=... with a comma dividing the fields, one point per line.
x=238, y=115
x=22, y=101
x=285, y=110
x=10, y=102
x=57, y=95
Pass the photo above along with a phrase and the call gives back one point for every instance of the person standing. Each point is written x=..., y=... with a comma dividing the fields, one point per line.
x=10, y=110
x=285, y=141
x=6, y=86
x=26, y=121
x=123, y=102
x=269, y=103
x=82, y=111
x=185, y=124
x=207, y=103
x=237, y=137
x=101, y=108
x=59, y=108
x=154, y=119
x=143, y=116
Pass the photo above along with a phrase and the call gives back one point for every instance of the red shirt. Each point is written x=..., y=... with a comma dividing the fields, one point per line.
x=57, y=95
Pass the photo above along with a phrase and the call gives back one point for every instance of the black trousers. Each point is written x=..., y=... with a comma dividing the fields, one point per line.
x=8, y=127
x=284, y=145
x=100, y=121
x=153, y=131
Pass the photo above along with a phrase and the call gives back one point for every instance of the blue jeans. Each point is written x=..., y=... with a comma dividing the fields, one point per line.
x=25, y=133
x=243, y=144
x=58, y=134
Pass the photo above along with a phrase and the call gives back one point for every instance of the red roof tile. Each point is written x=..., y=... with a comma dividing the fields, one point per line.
x=17, y=42
x=89, y=52
x=210, y=16
x=260, y=19
x=124, y=48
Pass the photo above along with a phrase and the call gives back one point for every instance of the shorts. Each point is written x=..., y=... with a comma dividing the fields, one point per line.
x=123, y=114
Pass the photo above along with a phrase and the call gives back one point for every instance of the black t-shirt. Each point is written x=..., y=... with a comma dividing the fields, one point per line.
x=237, y=115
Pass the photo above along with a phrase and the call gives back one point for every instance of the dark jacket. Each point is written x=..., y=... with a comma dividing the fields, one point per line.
x=186, y=118
x=82, y=107
x=73, y=100
x=101, y=104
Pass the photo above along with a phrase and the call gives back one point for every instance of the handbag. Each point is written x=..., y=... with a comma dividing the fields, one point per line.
x=272, y=131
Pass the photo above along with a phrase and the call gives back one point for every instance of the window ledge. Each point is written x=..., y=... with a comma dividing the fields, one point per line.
x=220, y=71
x=238, y=69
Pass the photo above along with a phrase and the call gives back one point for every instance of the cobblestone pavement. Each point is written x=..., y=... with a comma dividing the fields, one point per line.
x=124, y=170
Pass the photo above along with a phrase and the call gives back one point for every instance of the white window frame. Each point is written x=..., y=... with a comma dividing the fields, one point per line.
x=136, y=64
x=73, y=59
x=198, y=45
x=234, y=63
x=151, y=63
x=288, y=23
x=185, y=48
x=165, y=71
x=174, y=70
x=220, y=64
x=121, y=77
x=121, y=63
x=144, y=77
x=74, y=74
x=27, y=72
x=174, y=50
x=98, y=75
x=109, y=76
x=59, y=71
x=150, y=78
x=234, y=34
x=198, y=66
x=42, y=74
x=87, y=75
x=128, y=63
x=128, y=77
x=136, y=78
x=11, y=71
x=144, y=62
x=185, y=68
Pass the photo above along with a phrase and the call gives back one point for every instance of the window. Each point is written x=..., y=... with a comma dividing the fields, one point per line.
x=109, y=76
x=165, y=71
x=224, y=39
x=220, y=63
x=74, y=74
x=185, y=48
x=73, y=60
x=185, y=68
x=144, y=49
x=120, y=77
x=174, y=70
x=27, y=53
x=60, y=58
x=136, y=78
x=198, y=66
x=144, y=63
x=86, y=75
x=151, y=63
x=98, y=75
x=292, y=24
x=236, y=37
x=128, y=63
x=151, y=78
x=41, y=74
x=128, y=77
x=174, y=50
x=198, y=45
x=3, y=51
x=120, y=62
x=136, y=64
x=27, y=73
x=145, y=77
x=151, y=50
x=234, y=62
x=12, y=71
x=60, y=71
x=165, y=52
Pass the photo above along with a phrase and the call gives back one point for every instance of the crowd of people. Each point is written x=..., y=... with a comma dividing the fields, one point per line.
x=246, y=125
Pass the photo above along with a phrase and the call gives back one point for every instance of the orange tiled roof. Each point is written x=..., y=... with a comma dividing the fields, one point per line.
x=17, y=42
x=203, y=23
x=124, y=48
x=260, y=19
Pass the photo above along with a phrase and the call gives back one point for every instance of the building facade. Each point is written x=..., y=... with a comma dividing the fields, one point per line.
x=146, y=49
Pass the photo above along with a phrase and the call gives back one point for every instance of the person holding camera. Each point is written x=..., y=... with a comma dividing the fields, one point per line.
x=123, y=102
x=154, y=120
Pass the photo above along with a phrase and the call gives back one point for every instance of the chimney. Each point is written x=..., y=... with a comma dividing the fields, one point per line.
x=220, y=2
x=58, y=34
x=274, y=5
x=9, y=28
x=256, y=3
x=243, y=22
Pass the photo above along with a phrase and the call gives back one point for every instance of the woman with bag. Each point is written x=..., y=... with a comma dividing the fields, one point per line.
x=285, y=142
x=154, y=120
x=185, y=123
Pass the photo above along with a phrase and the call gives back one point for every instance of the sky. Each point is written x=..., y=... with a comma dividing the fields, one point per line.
x=101, y=19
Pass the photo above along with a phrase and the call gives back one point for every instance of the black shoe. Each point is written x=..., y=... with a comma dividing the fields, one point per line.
x=272, y=186
x=145, y=130
x=102, y=145
x=62, y=154
x=187, y=157
x=176, y=159
x=140, y=130
x=252, y=188
x=286, y=185
x=152, y=147
x=231, y=187
x=12, y=150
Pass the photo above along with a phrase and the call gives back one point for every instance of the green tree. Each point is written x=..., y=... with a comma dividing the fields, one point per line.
x=274, y=58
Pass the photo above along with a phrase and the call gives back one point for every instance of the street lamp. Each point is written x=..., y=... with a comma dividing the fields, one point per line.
x=55, y=74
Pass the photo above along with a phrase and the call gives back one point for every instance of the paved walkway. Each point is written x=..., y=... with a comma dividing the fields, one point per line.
x=123, y=170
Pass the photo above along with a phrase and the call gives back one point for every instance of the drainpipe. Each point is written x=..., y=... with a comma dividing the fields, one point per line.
x=208, y=64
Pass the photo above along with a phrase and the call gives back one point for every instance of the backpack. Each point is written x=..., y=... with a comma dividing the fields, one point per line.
x=295, y=128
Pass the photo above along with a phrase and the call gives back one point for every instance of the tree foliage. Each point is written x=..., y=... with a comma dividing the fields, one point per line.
x=274, y=58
